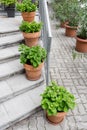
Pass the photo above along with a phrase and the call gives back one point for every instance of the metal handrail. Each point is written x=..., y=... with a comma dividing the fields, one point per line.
x=46, y=34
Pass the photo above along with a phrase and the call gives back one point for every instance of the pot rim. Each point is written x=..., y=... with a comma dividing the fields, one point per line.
x=71, y=27
x=81, y=40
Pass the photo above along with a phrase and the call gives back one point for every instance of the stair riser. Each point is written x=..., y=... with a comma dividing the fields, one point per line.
x=9, y=59
x=9, y=33
x=8, y=76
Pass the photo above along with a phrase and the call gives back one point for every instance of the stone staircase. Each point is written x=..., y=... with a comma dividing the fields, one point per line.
x=19, y=97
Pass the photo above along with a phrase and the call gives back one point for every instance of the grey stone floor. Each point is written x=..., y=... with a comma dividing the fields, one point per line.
x=67, y=72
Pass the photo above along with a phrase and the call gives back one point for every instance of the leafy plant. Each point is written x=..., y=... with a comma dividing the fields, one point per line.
x=69, y=10
x=60, y=11
x=26, y=6
x=57, y=99
x=74, y=13
x=30, y=27
x=82, y=29
x=33, y=56
x=8, y=2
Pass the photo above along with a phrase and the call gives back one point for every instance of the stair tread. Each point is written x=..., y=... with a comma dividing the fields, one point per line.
x=9, y=52
x=9, y=40
x=16, y=85
x=10, y=68
x=11, y=24
x=20, y=107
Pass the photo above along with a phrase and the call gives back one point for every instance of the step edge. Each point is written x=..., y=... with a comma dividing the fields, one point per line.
x=19, y=92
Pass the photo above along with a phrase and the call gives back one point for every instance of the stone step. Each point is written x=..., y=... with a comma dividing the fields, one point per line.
x=11, y=40
x=9, y=25
x=10, y=68
x=20, y=107
x=9, y=53
x=16, y=85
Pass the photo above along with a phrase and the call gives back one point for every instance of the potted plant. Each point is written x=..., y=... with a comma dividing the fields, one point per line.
x=9, y=7
x=81, y=39
x=31, y=32
x=28, y=10
x=33, y=60
x=57, y=101
x=60, y=12
x=74, y=14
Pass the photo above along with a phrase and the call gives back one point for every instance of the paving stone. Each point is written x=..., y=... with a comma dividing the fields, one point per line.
x=40, y=123
x=32, y=124
x=83, y=98
x=82, y=109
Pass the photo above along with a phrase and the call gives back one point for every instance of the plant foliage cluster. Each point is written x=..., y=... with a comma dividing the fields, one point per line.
x=8, y=2
x=57, y=99
x=82, y=29
x=30, y=27
x=26, y=6
x=33, y=56
x=69, y=10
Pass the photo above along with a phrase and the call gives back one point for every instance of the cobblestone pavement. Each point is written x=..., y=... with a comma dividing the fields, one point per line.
x=67, y=72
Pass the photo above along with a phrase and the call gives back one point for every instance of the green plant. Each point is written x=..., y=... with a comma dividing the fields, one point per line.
x=8, y=2
x=26, y=6
x=74, y=13
x=30, y=27
x=69, y=10
x=57, y=99
x=33, y=56
x=82, y=29
x=60, y=11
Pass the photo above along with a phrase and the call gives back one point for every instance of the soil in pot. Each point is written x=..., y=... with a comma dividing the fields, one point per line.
x=31, y=39
x=70, y=31
x=56, y=119
x=81, y=45
x=28, y=16
x=33, y=73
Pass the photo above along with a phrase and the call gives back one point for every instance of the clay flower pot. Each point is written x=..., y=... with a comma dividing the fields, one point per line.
x=28, y=16
x=56, y=119
x=81, y=45
x=31, y=39
x=70, y=31
x=33, y=73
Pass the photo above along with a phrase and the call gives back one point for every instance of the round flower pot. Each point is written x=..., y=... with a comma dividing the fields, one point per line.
x=28, y=16
x=81, y=45
x=10, y=10
x=31, y=39
x=56, y=119
x=70, y=31
x=33, y=73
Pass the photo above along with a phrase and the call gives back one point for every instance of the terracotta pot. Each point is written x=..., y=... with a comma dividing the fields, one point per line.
x=28, y=16
x=70, y=31
x=33, y=73
x=63, y=24
x=56, y=119
x=81, y=45
x=31, y=39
